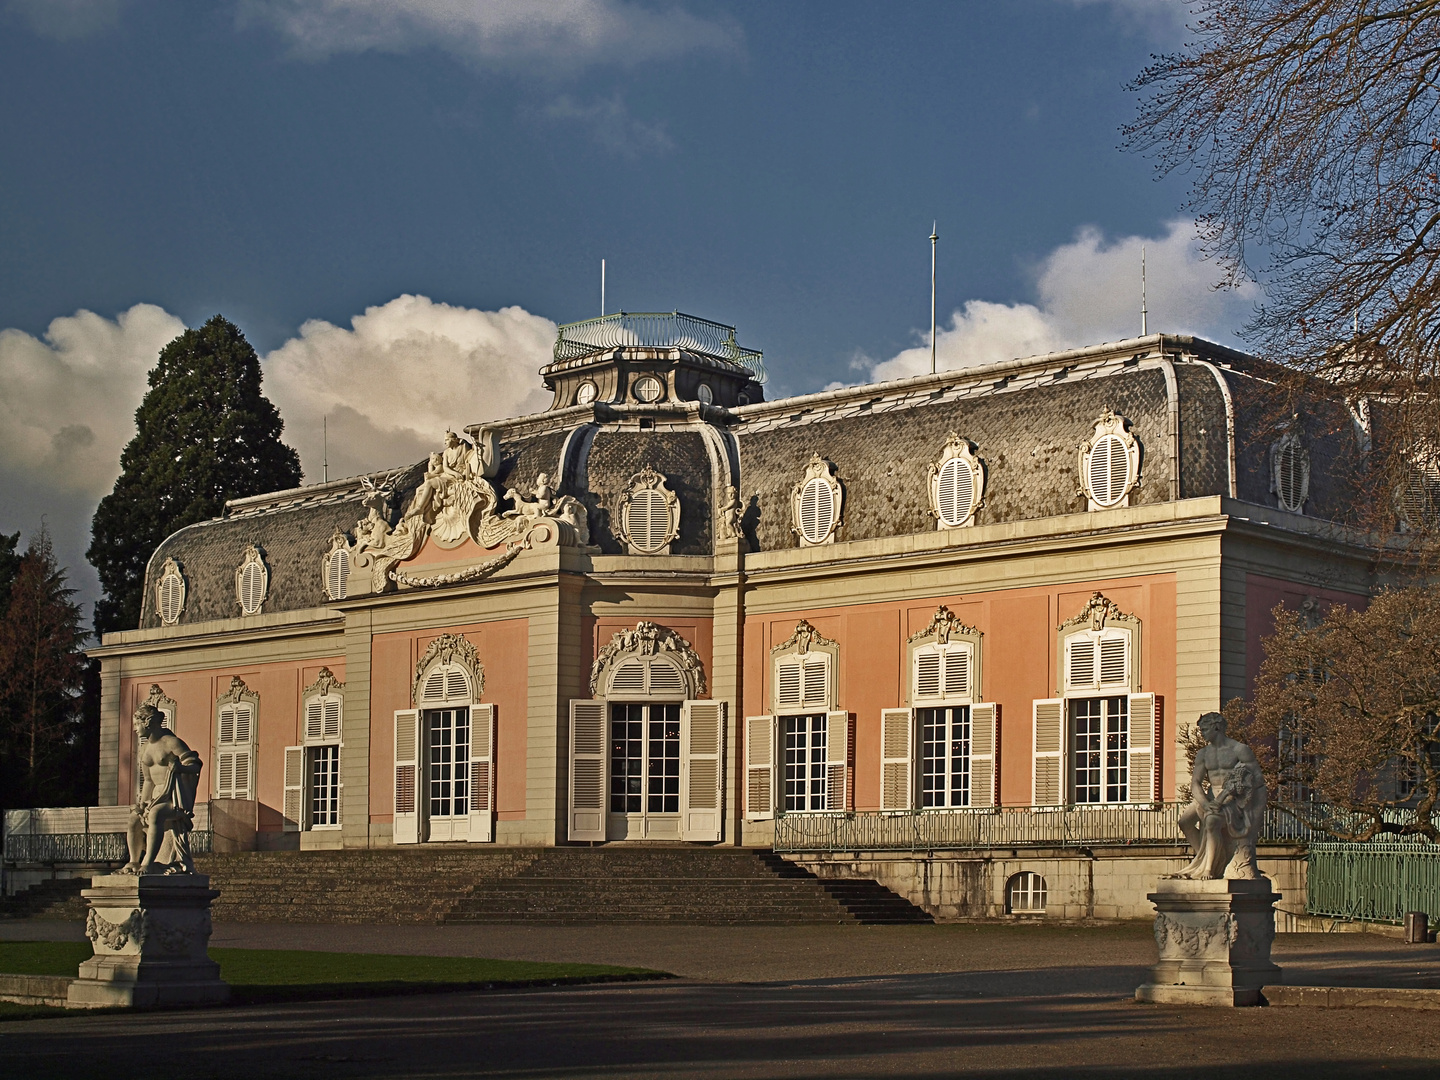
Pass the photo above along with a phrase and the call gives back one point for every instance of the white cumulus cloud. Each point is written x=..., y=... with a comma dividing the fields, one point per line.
x=1088, y=292
x=548, y=33
x=389, y=384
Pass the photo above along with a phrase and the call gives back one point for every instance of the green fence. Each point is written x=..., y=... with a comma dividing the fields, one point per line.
x=1372, y=882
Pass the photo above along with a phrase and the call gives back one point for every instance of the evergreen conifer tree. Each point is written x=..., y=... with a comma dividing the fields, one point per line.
x=204, y=433
x=41, y=675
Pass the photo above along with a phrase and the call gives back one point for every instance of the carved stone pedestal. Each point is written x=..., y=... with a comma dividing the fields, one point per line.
x=1214, y=939
x=149, y=935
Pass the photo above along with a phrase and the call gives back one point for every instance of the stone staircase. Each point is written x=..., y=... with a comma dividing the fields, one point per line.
x=58, y=898
x=556, y=886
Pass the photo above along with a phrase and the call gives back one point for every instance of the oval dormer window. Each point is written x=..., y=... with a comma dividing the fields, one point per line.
x=649, y=389
x=1109, y=470
x=586, y=394
x=817, y=510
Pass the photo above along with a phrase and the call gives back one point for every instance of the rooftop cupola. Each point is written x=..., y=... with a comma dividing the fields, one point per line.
x=652, y=358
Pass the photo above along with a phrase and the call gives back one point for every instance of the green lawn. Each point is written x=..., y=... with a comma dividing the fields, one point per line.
x=257, y=975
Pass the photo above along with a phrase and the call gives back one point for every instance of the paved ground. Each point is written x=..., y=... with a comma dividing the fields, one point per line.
x=923, y=1001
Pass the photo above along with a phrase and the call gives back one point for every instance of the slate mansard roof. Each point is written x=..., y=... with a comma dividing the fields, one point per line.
x=1027, y=418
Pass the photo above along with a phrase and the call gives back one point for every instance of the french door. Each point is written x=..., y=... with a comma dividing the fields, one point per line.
x=447, y=748
x=644, y=771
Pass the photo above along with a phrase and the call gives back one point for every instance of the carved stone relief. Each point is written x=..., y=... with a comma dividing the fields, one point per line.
x=450, y=649
x=647, y=639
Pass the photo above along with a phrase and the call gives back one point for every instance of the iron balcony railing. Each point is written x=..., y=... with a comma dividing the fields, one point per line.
x=657, y=330
x=1009, y=827
x=1376, y=881
x=85, y=847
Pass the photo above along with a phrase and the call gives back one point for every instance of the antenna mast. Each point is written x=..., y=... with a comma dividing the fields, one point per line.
x=934, y=236
x=325, y=444
x=1144, y=313
x=602, y=287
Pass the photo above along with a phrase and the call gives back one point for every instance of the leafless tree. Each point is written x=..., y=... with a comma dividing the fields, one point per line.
x=1345, y=716
x=1309, y=130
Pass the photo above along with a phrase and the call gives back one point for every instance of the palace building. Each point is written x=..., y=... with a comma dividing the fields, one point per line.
x=875, y=619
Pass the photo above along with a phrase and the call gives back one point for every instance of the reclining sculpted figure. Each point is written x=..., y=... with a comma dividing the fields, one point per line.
x=170, y=773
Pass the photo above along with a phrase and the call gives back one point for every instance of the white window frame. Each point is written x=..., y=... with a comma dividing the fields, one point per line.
x=1112, y=433
x=322, y=716
x=818, y=473
x=252, y=566
x=956, y=452
x=641, y=538
x=172, y=578
x=1290, y=451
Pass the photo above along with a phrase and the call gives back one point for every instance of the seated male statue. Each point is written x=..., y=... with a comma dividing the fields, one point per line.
x=1225, y=818
x=170, y=773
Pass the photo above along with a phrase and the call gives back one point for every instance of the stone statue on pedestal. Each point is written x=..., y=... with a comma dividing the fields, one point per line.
x=165, y=810
x=1224, y=820
x=1215, y=919
x=149, y=924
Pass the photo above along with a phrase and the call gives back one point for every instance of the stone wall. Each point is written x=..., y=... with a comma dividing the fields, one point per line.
x=1102, y=883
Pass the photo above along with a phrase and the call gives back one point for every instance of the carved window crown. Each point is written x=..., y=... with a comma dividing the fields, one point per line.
x=1109, y=463
x=650, y=660
x=449, y=673
x=956, y=484
x=324, y=704
x=816, y=503
x=1098, y=649
x=650, y=515
x=945, y=659
x=252, y=581
x=1290, y=472
x=170, y=593
x=804, y=670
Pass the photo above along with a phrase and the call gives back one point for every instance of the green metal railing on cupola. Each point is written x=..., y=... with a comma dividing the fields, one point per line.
x=658, y=330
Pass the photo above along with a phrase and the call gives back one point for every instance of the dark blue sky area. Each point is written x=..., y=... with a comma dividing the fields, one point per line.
x=786, y=184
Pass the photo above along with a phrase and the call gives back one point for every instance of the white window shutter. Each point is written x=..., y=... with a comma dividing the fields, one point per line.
x=225, y=774
x=928, y=681
x=244, y=722
x=1144, y=771
x=242, y=774
x=788, y=684
x=482, y=773
x=434, y=687
x=227, y=724
x=407, y=780
x=957, y=671
x=1080, y=661
x=457, y=685
x=817, y=681
x=330, y=728
x=294, y=819
x=1115, y=660
x=1049, y=732
x=897, y=759
x=984, y=755
x=837, y=761
x=589, y=769
x=314, y=720
x=760, y=767
x=629, y=678
x=702, y=737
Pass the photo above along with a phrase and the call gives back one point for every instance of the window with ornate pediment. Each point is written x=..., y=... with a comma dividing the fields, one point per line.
x=1290, y=472
x=650, y=515
x=956, y=483
x=236, y=719
x=1109, y=463
x=170, y=593
x=816, y=503
x=449, y=673
x=252, y=581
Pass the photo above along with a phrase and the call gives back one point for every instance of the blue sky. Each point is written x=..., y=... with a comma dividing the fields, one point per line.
x=457, y=169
